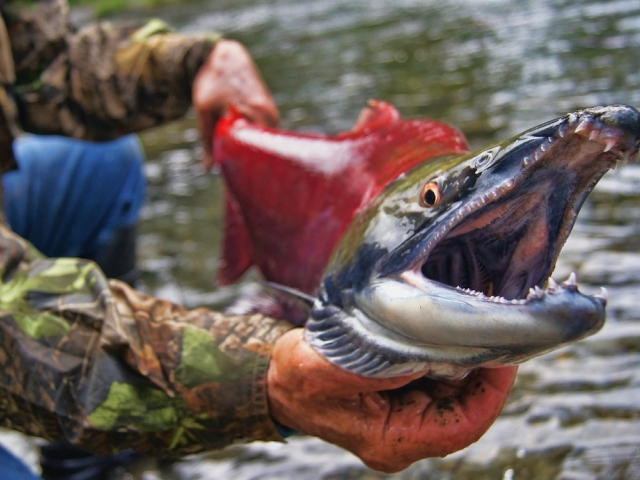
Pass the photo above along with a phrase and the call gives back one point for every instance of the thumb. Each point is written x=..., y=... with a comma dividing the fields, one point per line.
x=332, y=377
x=206, y=124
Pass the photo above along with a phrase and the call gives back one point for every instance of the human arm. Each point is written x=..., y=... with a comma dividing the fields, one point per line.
x=109, y=80
x=98, y=83
x=106, y=79
x=108, y=368
x=388, y=423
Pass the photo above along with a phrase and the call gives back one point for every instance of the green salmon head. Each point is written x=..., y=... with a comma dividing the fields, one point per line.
x=449, y=269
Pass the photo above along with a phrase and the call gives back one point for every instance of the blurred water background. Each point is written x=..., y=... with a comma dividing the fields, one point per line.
x=492, y=68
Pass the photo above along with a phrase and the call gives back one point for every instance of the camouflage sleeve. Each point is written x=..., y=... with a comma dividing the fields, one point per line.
x=8, y=112
x=106, y=80
x=108, y=368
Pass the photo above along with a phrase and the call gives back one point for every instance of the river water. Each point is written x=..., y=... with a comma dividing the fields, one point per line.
x=493, y=68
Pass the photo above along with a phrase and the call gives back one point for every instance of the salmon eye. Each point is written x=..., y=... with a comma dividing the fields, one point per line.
x=430, y=195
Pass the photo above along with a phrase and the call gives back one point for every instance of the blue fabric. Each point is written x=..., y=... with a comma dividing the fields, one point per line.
x=68, y=196
x=14, y=469
x=284, y=430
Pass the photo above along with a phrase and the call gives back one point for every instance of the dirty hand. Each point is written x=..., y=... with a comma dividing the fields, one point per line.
x=388, y=423
x=229, y=76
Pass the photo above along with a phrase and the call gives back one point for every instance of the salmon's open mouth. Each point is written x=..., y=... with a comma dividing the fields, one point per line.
x=510, y=240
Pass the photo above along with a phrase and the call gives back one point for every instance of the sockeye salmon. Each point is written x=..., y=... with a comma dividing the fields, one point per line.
x=418, y=255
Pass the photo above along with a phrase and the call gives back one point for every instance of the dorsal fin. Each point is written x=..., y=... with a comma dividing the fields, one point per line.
x=377, y=113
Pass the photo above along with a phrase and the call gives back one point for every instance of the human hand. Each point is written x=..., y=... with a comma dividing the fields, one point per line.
x=389, y=423
x=229, y=76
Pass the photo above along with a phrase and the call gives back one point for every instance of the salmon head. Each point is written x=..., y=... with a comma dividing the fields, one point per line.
x=421, y=256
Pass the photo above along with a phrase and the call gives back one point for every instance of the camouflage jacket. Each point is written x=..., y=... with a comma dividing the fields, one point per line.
x=97, y=83
x=91, y=360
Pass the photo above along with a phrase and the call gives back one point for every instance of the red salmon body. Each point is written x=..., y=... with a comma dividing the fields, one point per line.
x=290, y=196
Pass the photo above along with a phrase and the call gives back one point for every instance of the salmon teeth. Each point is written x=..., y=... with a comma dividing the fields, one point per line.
x=572, y=282
x=604, y=295
x=583, y=126
x=535, y=293
x=610, y=143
